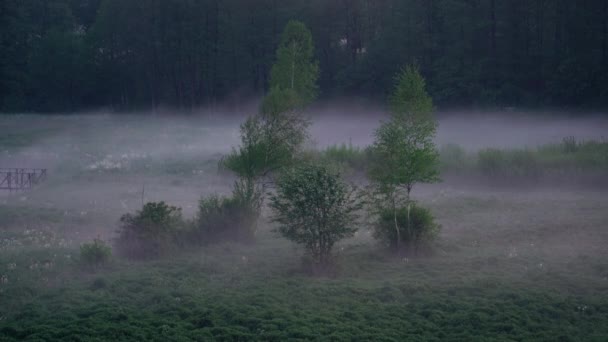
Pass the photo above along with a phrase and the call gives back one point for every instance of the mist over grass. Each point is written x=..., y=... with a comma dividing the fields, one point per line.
x=521, y=259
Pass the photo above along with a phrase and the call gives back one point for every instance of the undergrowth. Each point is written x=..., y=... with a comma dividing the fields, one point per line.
x=568, y=159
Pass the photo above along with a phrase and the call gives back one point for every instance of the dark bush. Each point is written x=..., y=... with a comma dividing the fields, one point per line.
x=149, y=233
x=228, y=218
x=95, y=254
x=422, y=228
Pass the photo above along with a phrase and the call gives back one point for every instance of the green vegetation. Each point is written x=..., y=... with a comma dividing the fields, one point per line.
x=150, y=233
x=315, y=208
x=487, y=281
x=295, y=69
x=568, y=160
x=272, y=140
x=96, y=254
x=562, y=161
x=129, y=54
x=403, y=153
x=512, y=265
x=227, y=218
x=345, y=156
x=417, y=228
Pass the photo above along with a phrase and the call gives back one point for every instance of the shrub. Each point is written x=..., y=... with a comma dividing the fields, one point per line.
x=228, y=218
x=422, y=228
x=314, y=208
x=95, y=254
x=150, y=232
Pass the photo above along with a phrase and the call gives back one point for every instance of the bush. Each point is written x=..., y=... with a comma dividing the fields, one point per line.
x=422, y=228
x=314, y=208
x=227, y=218
x=95, y=254
x=151, y=232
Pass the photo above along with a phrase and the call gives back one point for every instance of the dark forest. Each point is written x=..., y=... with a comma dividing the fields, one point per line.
x=71, y=55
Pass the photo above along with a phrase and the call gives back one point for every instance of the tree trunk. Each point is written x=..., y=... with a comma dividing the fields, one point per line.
x=293, y=65
x=409, y=232
x=398, y=242
x=605, y=35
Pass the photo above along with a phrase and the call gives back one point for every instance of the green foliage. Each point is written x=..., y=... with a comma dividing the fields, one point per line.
x=150, y=232
x=316, y=209
x=453, y=158
x=414, y=233
x=279, y=101
x=95, y=254
x=481, y=283
x=403, y=152
x=130, y=54
x=228, y=218
x=269, y=142
x=505, y=164
x=568, y=160
x=410, y=96
x=347, y=155
x=294, y=68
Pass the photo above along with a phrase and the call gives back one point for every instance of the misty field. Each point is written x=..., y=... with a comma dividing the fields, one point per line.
x=522, y=254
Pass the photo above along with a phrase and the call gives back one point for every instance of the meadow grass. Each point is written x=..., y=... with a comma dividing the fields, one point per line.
x=501, y=271
x=509, y=265
x=569, y=159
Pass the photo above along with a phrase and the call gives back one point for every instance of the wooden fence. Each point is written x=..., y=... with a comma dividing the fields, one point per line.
x=20, y=179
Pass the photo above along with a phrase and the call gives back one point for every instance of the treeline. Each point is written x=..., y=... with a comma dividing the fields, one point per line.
x=65, y=55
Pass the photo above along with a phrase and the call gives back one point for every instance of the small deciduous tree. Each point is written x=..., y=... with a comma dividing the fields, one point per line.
x=316, y=209
x=295, y=68
x=403, y=152
x=271, y=140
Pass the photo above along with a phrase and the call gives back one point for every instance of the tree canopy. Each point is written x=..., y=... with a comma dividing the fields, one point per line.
x=66, y=55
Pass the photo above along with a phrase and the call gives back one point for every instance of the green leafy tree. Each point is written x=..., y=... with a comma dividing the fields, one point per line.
x=316, y=209
x=269, y=142
x=295, y=68
x=272, y=139
x=403, y=152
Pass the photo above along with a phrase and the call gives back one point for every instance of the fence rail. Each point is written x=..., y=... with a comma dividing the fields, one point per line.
x=20, y=179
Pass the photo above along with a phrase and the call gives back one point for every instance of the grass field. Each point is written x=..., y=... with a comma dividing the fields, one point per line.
x=513, y=263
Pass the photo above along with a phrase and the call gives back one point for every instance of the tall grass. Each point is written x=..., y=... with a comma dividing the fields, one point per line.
x=568, y=158
x=345, y=156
